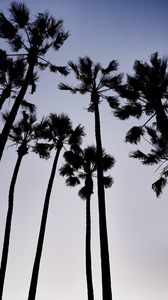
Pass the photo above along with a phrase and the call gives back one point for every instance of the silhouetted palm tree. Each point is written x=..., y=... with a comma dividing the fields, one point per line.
x=35, y=39
x=98, y=82
x=146, y=94
x=158, y=155
x=83, y=166
x=22, y=134
x=58, y=131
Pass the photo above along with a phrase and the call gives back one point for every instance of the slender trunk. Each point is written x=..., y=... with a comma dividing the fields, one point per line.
x=104, y=252
x=88, y=251
x=5, y=249
x=12, y=115
x=36, y=266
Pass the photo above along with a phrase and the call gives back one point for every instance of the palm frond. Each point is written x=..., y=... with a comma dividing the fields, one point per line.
x=72, y=181
x=108, y=161
x=76, y=136
x=66, y=87
x=83, y=193
x=60, y=39
x=113, y=101
x=158, y=185
x=7, y=30
x=147, y=159
x=107, y=181
x=75, y=69
x=54, y=26
x=29, y=106
x=19, y=14
x=126, y=111
x=134, y=135
x=113, y=66
x=62, y=70
x=43, y=150
x=66, y=170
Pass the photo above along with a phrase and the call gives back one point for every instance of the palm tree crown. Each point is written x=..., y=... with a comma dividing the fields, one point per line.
x=146, y=94
x=35, y=38
x=95, y=80
x=82, y=165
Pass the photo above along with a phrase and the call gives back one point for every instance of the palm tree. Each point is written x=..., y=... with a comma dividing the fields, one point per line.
x=22, y=134
x=34, y=39
x=97, y=82
x=146, y=94
x=83, y=166
x=58, y=131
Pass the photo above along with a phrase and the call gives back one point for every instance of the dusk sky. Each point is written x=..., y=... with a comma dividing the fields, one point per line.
x=137, y=221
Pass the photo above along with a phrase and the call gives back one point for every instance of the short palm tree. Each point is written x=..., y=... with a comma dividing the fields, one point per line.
x=57, y=130
x=79, y=166
x=146, y=94
x=97, y=82
x=22, y=134
x=34, y=39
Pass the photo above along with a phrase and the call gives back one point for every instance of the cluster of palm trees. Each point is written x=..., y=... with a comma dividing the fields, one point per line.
x=143, y=94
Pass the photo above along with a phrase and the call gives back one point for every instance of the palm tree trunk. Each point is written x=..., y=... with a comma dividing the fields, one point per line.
x=104, y=252
x=36, y=266
x=5, y=249
x=88, y=251
x=6, y=129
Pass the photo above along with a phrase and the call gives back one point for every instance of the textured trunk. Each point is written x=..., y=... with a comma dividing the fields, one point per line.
x=104, y=252
x=5, y=249
x=36, y=266
x=12, y=115
x=88, y=251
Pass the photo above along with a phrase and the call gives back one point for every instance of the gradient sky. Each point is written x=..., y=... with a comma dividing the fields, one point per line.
x=137, y=221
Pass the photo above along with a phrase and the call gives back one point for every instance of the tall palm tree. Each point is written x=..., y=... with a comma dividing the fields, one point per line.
x=146, y=95
x=83, y=166
x=22, y=134
x=58, y=131
x=34, y=39
x=98, y=82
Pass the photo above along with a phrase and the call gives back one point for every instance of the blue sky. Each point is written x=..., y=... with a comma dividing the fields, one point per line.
x=137, y=221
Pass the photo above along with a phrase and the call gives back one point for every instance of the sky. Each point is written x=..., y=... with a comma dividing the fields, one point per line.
x=137, y=221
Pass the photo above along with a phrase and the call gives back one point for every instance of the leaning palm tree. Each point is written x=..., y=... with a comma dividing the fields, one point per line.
x=79, y=166
x=57, y=130
x=22, y=134
x=146, y=95
x=98, y=82
x=30, y=41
